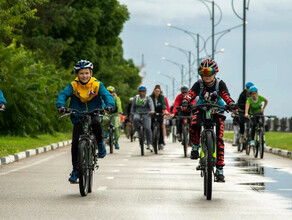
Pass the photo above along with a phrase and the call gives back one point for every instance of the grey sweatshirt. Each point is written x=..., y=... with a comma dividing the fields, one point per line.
x=145, y=108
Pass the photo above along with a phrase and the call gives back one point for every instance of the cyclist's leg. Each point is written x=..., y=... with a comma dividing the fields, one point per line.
x=241, y=124
x=105, y=121
x=160, y=121
x=219, y=120
x=147, y=124
x=97, y=131
x=179, y=123
x=253, y=125
x=195, y=133
x=116, y=123
x=136, y=121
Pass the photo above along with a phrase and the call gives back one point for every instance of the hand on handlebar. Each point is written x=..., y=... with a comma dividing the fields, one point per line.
x=61, y=110
x=152, y=112
x=2, y=107
x=108, y=109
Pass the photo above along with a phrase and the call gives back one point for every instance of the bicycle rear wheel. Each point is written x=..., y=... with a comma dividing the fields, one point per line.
x=256, y=146
x=185, y=140
x=83, y=167
x=110, y=139
x=209, y=165
x=173, y=134
x=141, y=139
x=155, y=139
x=261, y=143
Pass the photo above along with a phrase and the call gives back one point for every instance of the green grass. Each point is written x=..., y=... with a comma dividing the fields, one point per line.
x=282, y=140
x=14, y=144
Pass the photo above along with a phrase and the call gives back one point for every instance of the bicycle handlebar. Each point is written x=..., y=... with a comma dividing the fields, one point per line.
x=69, y=111
x=209, y=105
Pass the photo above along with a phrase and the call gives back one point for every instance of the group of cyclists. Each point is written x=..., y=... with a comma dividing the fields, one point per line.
x=86, y=93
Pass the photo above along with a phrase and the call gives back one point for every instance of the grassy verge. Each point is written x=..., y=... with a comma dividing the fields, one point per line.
x=11, y=144
x=280, y=140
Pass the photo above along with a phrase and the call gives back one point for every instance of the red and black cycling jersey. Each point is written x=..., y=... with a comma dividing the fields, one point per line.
x=196, y=89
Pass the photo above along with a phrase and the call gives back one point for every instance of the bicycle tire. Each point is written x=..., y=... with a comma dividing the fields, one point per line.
x=262, y=143
x=155, y=139
x=173, y=134
x=185, y=141
x=110, y=140
x=239, y=147
x=83, y=167
x=141, y=140
x=92, y=164
x=256, y=146
x=209, y=165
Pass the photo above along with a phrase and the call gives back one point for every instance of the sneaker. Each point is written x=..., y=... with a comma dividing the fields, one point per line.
x=117, y=146
x=178, y=136
x=219, y=177
x=74, y=175
x=136, y=134
x=195, y=152
x=149, y=147
x=251, y=143
x=101, y=150
x=160, y=147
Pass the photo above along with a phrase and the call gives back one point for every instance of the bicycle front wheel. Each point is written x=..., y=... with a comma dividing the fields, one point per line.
x=261, y=143
x=141, y=140
x=155, y=139
x=111, y=140
x=209, y=165
x=83, y=167
x=185, y=140
x=256, y=146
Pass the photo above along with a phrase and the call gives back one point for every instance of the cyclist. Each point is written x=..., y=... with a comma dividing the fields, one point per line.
x=160, y=107
x=127, y=111
x=209, y=89
x=177, y=102
x=86, y=93
x=114, y=116
x=254, y=106
x=166, y=121
x=143, y=104
x=241, y=105
x=2, y=101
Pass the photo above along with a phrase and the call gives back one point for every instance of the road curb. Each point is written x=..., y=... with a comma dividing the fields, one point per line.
x=32, y=152
x=276, y=151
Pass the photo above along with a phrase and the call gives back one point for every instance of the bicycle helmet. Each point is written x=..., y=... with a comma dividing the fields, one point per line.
x=184, y=88
x=249, y=84
x=83, y=64
x=111, y=89
x=208, y=67
x=253, y=89
x=142, y=88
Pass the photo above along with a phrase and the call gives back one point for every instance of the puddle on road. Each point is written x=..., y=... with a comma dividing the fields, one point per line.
x=282, y=184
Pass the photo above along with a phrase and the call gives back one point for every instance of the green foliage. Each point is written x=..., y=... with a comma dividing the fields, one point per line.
x=41, y=40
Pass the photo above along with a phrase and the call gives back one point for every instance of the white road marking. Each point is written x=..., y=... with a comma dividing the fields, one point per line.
x=33, y=164
x=110, y=177
x=116, y=171
x=102, y=188
x=125, y=159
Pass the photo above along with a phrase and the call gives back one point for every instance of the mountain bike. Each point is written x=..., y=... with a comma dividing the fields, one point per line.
x=110, y=139
x=208, y=154
x=87, y=158
x=156, y=131
x=141, y=131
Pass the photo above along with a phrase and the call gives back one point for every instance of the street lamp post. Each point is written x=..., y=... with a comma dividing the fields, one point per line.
x=180, y=66
x=188, y=55
x=173, y=83
x=196, y=38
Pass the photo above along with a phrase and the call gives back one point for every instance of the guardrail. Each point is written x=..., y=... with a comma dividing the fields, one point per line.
x=273, y=124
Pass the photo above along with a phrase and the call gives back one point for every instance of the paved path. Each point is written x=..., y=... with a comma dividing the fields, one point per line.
x=164, y=186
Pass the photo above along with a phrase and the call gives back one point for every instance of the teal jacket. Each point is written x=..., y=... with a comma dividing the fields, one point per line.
x=85, y=97
x=2, y=99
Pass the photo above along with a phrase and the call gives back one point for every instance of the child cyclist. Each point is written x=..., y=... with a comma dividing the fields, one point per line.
x=2, y=101
x=209, y=89
x=115, y=116
x=87, y=94
x=254, y=106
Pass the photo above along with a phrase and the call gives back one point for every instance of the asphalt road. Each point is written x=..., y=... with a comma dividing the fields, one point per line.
x=163, y=186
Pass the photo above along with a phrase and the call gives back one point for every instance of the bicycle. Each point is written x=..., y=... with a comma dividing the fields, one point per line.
x=246, y=136
x=208, y=154
x=141, y=131
x=156, y=131
x=185, y=135
x=259, y=146
x=110, y=139
x=87, y=158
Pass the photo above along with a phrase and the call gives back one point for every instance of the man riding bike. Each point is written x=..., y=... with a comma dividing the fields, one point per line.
x=209, y=89
x=178, y=100
x=143, y=104
x=241, y=105
x=254, y=106
x=114, y=116
x=87, y=94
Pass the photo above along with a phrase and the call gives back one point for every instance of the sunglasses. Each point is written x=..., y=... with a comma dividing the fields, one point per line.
x=207, y=71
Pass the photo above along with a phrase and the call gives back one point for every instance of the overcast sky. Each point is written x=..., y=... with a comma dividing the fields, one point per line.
x=269, y=44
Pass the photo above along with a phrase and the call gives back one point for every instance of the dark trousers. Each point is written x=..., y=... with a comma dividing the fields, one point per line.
x=77, y=131
x=254, y=121
x=196, y=133
x=160, y=121
x=179, y=121
x=242, y=121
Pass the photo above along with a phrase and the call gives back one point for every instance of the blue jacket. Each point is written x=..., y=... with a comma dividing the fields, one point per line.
x=2, y=99
x=85, y=97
